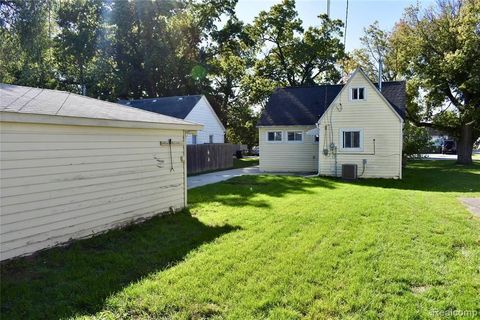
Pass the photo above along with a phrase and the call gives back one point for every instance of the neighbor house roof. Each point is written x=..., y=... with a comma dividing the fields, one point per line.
x=177, y=106
x=304, y=105
x=29, y=101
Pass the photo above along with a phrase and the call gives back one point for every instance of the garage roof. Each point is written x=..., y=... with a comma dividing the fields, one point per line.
x=36, y=101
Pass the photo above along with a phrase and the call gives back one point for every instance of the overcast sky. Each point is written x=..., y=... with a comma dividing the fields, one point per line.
x=361, y=13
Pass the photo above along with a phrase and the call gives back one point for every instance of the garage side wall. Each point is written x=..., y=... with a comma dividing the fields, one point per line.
x=65, y=182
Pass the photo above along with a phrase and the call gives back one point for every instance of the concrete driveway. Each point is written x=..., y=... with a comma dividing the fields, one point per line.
x=439, y=156
x=214, y=177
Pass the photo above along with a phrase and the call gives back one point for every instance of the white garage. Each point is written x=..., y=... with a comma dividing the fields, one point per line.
x=72, y=166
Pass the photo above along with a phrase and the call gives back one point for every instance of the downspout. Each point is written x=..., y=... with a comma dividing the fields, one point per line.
x=318, y=154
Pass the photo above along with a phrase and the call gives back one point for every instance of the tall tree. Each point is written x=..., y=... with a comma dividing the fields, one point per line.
x=26, y=29
x=76, y=43
x=439, y=50
x=376, y=48
x=294, y=56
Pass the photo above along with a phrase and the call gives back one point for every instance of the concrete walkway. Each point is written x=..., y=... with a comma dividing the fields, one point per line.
x=472, y=204
x=214, y=177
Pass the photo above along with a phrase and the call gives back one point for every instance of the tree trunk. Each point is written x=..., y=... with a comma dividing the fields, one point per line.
x=465, y=144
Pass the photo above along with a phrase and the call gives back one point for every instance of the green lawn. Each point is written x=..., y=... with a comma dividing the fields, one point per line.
x=274, y=247
x=245, y=162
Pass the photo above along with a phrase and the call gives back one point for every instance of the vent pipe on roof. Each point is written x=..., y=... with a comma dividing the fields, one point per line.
x=380, y=67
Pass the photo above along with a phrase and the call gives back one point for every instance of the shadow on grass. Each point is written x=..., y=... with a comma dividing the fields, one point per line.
x=434, y=176
x=243, y=191
x=76, y=280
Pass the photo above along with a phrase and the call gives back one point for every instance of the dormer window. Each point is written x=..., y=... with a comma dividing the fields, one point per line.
x=358, y=93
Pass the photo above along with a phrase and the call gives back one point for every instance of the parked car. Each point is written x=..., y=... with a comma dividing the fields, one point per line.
x=255, y=151
x=449, y=146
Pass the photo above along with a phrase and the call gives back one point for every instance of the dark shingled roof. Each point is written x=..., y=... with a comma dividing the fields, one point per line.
x=304, y=105
x=178, y=106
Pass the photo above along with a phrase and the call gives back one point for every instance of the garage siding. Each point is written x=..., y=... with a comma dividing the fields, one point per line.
x=66, y=182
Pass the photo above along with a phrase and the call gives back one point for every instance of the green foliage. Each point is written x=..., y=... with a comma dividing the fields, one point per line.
x=376, y=47
x=242, y=127
x=416, y=141
x=26, y=54
x=272, y=247
x=438, y=52
x=76, y=43
x=295, y=56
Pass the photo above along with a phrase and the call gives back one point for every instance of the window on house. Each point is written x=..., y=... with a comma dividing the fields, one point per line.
x=295, y=136
x=210, y=138
x=274, y=136
x=317, y=138
x=352, y=139
x=358, y=93
x=194, y=139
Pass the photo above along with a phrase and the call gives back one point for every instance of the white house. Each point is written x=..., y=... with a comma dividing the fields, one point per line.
x=72, y=166
x=194, y=108
x=320, y=128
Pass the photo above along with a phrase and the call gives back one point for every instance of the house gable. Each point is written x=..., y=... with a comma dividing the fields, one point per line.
x=372, y=95
x=366, y=132
x=203, y=113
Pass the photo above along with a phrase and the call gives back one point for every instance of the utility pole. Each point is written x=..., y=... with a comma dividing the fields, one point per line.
x=328, y=8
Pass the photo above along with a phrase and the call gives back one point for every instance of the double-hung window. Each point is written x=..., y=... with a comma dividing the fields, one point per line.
x=294, y=136
x=274, y=136
x=351, y=139
x=357, y=93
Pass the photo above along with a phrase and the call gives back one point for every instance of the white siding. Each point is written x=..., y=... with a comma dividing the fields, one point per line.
x=202, y=113
x=64, y=182
x=288, y=156
x=377, y=121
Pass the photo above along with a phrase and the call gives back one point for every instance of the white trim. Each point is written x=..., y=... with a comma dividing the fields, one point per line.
x=274, y=141
x=6, y=116
x=340, y=139
x=401, y=152
x=350, y=97
x=185, y=180
x=294, y=141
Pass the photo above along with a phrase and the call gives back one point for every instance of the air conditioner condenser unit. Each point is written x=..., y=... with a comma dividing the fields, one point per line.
x=349, y=171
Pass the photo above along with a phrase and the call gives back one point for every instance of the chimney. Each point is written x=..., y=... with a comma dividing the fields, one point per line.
x=380, y=66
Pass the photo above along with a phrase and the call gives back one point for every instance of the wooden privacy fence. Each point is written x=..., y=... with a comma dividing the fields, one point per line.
x=209, y=157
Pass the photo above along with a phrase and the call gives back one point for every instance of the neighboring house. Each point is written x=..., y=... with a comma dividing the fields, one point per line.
x=72, y=166
x=190, y=108
x=320, y=128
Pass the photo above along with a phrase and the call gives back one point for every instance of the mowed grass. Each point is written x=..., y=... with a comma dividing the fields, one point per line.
x=245, y=162
x=274, y=247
